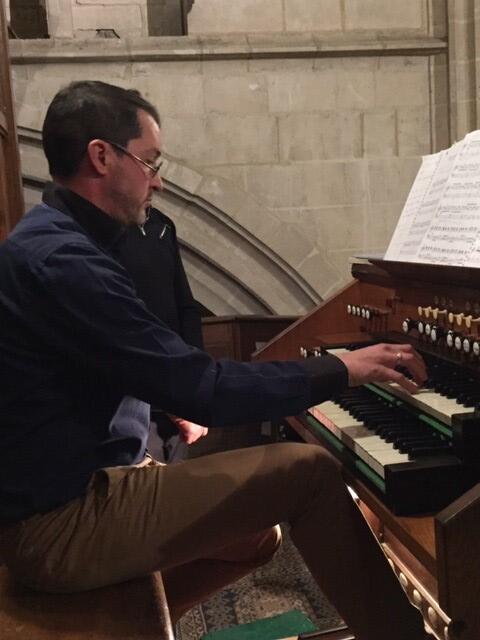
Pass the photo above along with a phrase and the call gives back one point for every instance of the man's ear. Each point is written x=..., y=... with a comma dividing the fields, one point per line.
x=99, y=153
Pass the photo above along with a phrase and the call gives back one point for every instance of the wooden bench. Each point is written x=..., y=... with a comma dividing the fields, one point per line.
x=134, y=610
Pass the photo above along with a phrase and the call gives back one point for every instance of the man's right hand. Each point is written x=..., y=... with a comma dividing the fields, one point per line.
x=378, y=364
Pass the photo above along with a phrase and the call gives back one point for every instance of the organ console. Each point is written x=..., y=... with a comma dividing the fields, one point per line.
x=413, y=461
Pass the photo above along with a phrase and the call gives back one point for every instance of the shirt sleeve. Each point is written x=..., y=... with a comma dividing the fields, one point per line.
x=92, y=317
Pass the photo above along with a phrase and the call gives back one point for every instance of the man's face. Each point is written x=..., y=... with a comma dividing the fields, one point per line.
x=131, y=183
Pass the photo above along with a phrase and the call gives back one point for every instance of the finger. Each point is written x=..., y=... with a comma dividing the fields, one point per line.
x=407, y=357
x=416, y=368
x=402, y=381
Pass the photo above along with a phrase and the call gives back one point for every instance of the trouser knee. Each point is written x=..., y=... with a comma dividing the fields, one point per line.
x=266, y=544
x=253, y=550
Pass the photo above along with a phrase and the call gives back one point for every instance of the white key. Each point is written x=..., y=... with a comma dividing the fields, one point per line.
x=380, y=458
x=429, y=401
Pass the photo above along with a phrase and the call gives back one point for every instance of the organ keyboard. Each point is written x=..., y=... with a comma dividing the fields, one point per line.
x=414, y=461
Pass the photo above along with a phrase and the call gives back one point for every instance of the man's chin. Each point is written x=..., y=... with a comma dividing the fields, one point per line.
x=142, y=216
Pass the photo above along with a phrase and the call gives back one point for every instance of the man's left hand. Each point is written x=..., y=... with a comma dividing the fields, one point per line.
x=189, y=431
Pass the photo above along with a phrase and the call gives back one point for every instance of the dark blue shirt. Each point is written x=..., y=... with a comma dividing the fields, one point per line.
x=80, y=356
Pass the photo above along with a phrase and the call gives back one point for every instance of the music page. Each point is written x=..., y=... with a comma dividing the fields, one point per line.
x=414, y=219
x=453, y=234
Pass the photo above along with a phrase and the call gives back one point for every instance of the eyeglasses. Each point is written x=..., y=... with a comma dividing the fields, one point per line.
x=153, y=169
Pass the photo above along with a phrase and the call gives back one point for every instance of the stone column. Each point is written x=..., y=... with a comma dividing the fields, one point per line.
x=464, y=65
x=60, y=18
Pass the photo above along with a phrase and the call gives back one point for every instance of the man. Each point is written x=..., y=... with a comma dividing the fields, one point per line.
x=150, y=254
x=80, y=359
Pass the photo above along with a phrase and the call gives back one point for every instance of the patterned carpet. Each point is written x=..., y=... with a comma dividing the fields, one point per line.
x=282, y=585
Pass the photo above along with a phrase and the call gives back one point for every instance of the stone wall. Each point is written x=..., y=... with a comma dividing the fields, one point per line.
x=130, y=18
x=334, y=16
x=289, y=152
x=85, y=18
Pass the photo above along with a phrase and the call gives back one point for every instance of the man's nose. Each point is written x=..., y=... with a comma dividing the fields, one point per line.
x=157, y=183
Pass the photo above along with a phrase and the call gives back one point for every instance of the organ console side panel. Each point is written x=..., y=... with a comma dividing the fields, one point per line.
x=11, y=198
x=456, y=534
x=423, y=503
x=327, y=319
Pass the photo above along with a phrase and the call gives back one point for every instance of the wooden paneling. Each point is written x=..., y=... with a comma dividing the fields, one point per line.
x=11, y=198
x=238, y=337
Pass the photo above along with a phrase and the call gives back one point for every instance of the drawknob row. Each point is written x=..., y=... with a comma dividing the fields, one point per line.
x=452, y=318
x=363, y=311
x=453, y=339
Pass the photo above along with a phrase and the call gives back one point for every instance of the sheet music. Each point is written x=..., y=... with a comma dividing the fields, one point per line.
x=440, y=222
x=453, y=234
x=413, y=222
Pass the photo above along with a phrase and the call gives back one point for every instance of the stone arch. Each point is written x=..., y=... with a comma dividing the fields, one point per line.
x=224, y=235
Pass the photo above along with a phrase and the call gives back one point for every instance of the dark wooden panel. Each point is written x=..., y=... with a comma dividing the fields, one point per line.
x=11, y=198
x=238, y=337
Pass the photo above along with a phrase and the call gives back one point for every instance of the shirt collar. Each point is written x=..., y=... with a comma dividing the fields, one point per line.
x=101, y=227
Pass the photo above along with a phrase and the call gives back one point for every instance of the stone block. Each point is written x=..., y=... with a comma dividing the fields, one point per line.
x=278, y=186
x=463, y=40
x=341, y=65
x=31, y=197
x=313, y=15
x=224, y=16
x=240, y=139
x=439, y=79
x=339, y=227
x=19, y=74
x=269, y=44
x=113, y=72
x=234, y=45
x=442, y=137
x=377, y=14
x=439, y=19
x=236, y=94
x=335, y=183
x=60, y=18
x=339, y=261
x=381, y=221
x=413, y=127
x=235, y=174
x=214, y=68
x=156, y=70
x=464, y=80
x=184, y=139
x=29, y=105
x=281, y=65
x=292, y=242
x=321, y=272
x=156, y=48
x=231, y=198
x=405, y=83
x=465, y=117
x=174, y=95
x=181, y=175
x=379, y=131
x=127, y=22
x=323, y=136
x=390, y=180
x=355, y=88
x=33, y=162
x=302, y=92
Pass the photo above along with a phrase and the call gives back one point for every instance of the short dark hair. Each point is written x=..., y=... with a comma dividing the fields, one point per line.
x=87, y=110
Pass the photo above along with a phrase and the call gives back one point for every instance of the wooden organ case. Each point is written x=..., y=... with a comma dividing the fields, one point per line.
x=11, y=197
x=432, y=543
